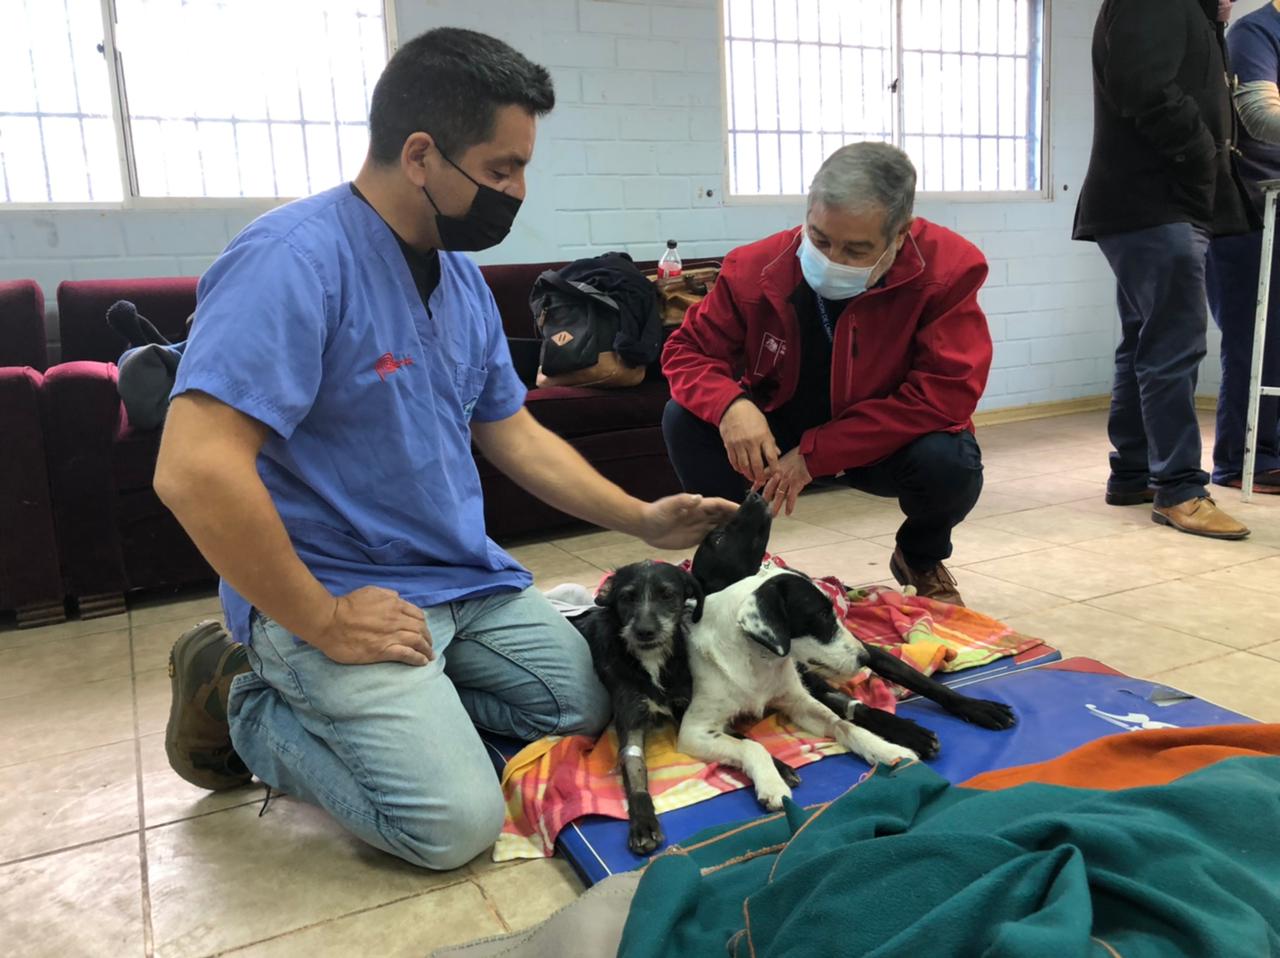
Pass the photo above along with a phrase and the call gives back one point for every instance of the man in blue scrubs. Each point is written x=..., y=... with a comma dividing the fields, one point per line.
x=343, y=359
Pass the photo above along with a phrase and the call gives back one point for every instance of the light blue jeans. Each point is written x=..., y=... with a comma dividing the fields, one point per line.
x=392, y=750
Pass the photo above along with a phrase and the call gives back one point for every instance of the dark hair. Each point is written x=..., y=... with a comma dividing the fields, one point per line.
x=450, y=83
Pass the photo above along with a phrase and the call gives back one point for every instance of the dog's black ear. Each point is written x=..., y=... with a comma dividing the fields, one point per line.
x=604, y=595
x=762, y=617
x=693, y=590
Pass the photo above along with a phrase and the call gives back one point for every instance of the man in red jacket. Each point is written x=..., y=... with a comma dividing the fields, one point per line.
x=851, y=347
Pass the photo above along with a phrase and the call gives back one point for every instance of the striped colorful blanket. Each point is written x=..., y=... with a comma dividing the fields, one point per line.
x=557, y=779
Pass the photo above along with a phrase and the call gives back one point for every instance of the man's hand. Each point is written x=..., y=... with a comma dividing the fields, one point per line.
x=749, y=441
x=374, y=625
x=786, y=482
x=678, y=522
x=547, y=466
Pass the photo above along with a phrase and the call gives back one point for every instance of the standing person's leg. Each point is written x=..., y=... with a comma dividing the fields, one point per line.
x=1161, y=272
x=937, y=480
x=1232, y=278
x=522, y=670
x=1130, y=477
x=387, y=749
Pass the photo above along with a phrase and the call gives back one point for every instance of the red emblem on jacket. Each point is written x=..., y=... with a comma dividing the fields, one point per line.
x=387, y=364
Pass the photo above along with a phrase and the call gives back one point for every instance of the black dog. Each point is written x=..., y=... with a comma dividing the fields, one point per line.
x=638, y=641
x=734, y=551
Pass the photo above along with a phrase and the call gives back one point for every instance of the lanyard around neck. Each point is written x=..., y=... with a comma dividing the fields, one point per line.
x=828, y=324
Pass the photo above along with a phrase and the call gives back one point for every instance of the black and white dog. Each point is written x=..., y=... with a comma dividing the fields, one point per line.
x=638, y=636
x=770, y=639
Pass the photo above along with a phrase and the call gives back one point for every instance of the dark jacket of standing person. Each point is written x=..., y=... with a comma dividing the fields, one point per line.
x=1163, y=127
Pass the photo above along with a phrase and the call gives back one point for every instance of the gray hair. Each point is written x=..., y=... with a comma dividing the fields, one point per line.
x=860, y=177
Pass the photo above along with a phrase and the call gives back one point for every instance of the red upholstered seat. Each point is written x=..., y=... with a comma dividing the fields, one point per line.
x=22, y=334
x=30, y=580
x=83, y=304
x=572, y=411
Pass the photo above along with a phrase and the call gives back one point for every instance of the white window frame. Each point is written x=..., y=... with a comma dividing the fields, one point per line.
x=124, y=145
x=1044, y=194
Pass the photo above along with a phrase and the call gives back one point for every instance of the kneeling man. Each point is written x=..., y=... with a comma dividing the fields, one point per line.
x=850, y=347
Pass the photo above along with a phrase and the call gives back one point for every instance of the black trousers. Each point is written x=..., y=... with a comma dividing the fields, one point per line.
x=936, y=479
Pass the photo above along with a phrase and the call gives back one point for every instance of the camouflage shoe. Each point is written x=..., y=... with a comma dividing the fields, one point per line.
x=197, y=739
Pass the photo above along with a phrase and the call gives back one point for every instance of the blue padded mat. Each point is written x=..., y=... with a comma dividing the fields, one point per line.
x=1060, y=706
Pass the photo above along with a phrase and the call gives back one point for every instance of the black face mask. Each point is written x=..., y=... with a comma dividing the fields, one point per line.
x=485, y=224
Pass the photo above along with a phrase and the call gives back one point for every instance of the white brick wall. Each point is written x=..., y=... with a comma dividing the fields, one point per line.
x=55, y=245
x=637, y=130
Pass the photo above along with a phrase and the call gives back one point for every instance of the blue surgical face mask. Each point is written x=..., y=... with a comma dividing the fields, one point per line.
x=831, y=280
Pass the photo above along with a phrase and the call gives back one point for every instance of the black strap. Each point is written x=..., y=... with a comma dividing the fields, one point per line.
x=553, y=279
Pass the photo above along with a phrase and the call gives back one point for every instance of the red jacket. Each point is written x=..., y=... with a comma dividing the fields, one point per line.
x=910, y=357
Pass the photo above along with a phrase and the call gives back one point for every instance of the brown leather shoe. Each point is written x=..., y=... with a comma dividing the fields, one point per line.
x=1199, y=517
x=935, y=583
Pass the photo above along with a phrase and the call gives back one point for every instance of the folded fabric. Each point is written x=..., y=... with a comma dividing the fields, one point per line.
x=906, y=864
x=555, y=780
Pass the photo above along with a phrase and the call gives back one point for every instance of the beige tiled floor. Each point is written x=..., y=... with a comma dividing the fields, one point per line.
x=104, y=851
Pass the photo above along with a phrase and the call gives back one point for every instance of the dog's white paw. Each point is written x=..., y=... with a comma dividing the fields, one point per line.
x=771, y=793
x=870, y=747
x=886, y=753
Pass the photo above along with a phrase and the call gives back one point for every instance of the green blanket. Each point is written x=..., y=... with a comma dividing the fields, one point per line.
x=906, y=864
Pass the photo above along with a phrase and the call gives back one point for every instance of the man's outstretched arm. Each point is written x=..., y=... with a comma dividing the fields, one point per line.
x=548, y=467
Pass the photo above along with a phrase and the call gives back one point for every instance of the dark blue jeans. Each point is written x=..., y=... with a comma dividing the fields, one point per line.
x=1160, y=292
x=936, y=479
x=1233, y=295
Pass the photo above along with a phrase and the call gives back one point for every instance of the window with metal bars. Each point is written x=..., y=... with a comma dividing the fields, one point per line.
x=957, y=84
x=110, y=100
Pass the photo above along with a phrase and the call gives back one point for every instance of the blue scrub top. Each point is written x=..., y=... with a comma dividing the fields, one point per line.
x=1253, y=54
x=310, y=323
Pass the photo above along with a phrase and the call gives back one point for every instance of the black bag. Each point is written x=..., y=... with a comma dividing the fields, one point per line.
x=599, y=323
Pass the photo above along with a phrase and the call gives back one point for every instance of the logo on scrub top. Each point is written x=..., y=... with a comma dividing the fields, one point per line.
x=387, y=364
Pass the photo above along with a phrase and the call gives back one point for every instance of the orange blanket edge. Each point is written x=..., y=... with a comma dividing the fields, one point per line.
x=1137, y=759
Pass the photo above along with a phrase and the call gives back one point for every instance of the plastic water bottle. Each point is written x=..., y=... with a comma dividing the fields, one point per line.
x=669, y=266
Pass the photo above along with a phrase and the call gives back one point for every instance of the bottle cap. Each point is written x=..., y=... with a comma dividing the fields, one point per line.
x=671, y=244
